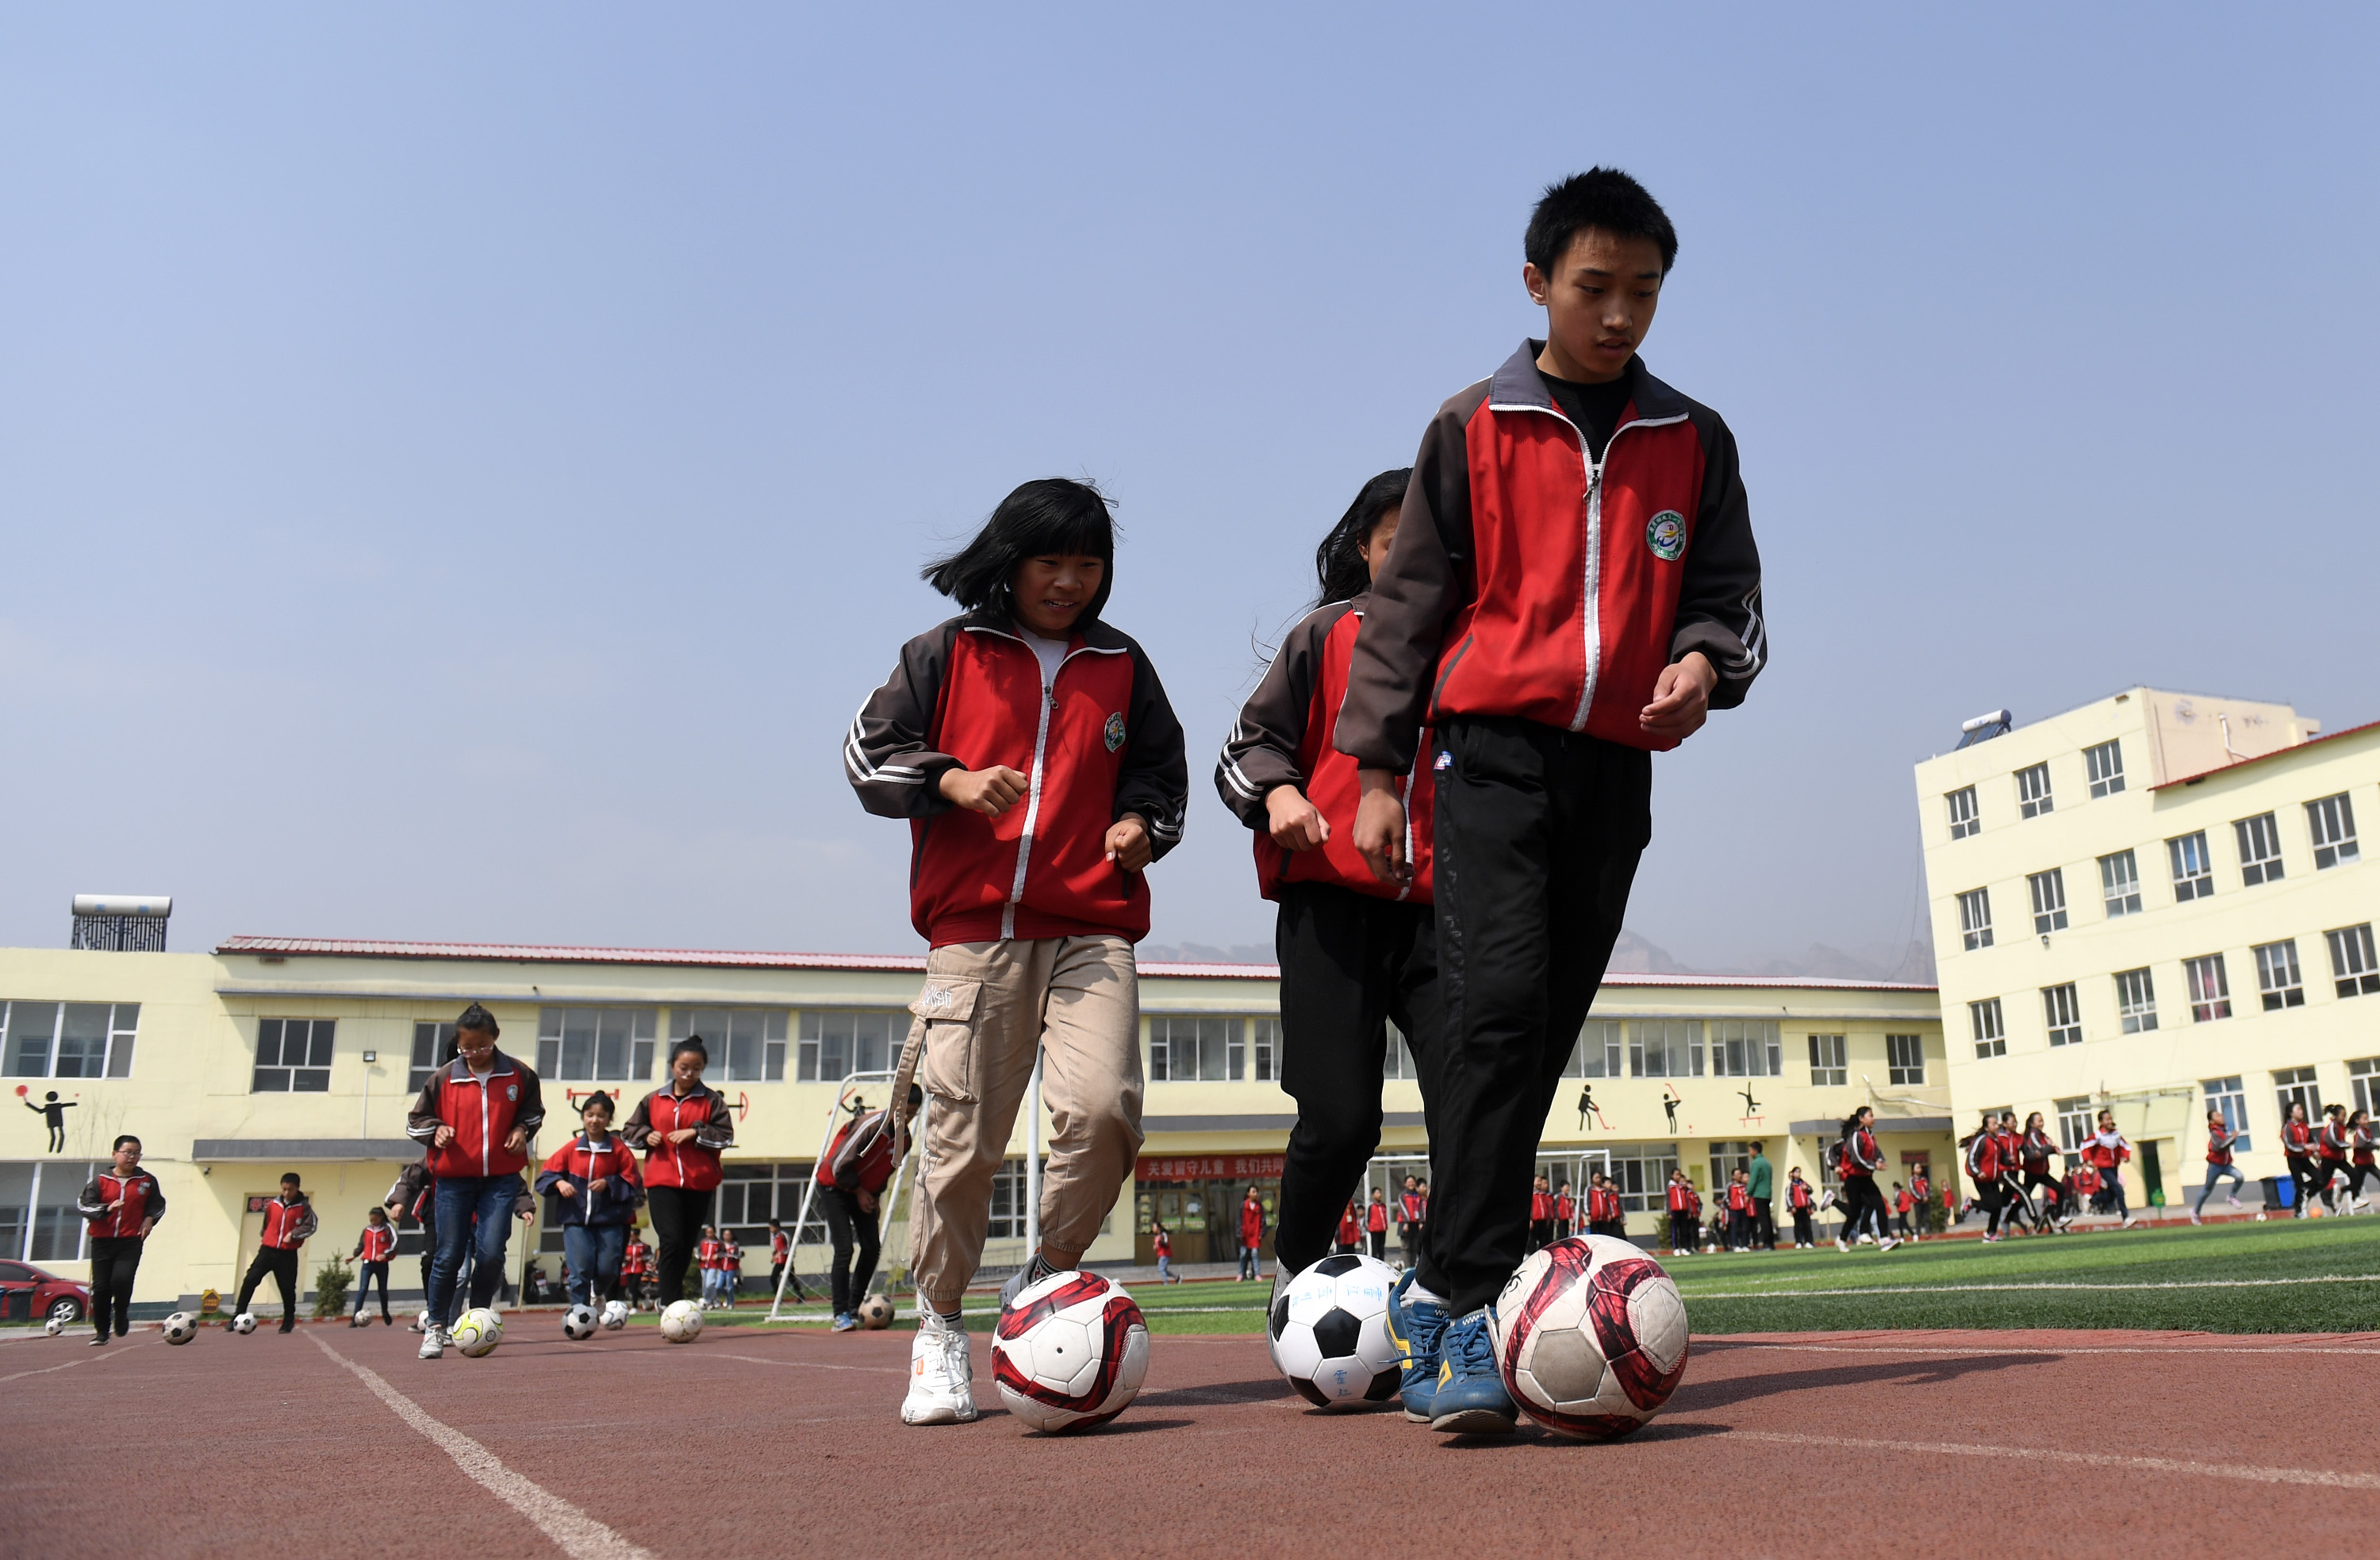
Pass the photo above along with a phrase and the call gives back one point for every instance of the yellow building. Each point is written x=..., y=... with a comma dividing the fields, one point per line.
x=274, y=1054
x=2157, y=902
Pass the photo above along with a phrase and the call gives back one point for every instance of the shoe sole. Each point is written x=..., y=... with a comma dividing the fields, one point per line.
x=940, y=1415
x=1416, y=1416
x=1474, y=1421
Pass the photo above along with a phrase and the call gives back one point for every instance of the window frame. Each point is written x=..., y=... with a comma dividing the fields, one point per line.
x=1988, y=1026
x=2102, y=768
x=1966, y=817
x=2290, y=1084
x=1975, y=918
x=118, y=1039
x=2062, y=1014
x=2280, y=979
x=2261, y=833
x=1830, y=1062
x=2128, y=901
x=308, y=1077
x=809, y=1043
x=2364, y=1084
x=2136, y=999
x=2193, y=865
x=1607, y=1057
x=555, y=1031
x=2208, y=986
x=2047, y=892
x=1754, y=1040
x=2354, y=961
x=1219, y=1034
x=2330, y=825
x=2078, y=1121
x=753, y=1042
x=2032, y=794
x=1898, y=1066
x=1687, y=1042
x=2230, y=1096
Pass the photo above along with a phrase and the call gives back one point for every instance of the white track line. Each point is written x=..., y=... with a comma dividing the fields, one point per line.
x=2247, y=1472
x=573, y=1531
x=1691, y=1294
x=1723, y=1343
x=86, y=1359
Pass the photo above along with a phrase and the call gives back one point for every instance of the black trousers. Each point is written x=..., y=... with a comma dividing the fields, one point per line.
x=1537, y=835
x=1865, y=1201
x=1763, y=1223
x=2053, y=1196
x=114, y=1259
x=852, y=1229
x=282, y=1265
x=678, y=1218
x=429, y=1252
x=1682, y=1232
x=1993, y=1198
x=1803, y=1234
x=365, y=1273
x=1350, y=965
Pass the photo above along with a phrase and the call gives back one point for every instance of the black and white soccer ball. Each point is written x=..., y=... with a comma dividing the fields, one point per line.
x=578, y=1323
x=1329, y=1333
x=244, y=1322
x=875, y=1314
x=180, y=1328
x=614, y=1317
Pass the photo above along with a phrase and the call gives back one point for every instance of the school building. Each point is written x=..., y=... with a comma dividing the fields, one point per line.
x=271, y=1054
x=2157, y=903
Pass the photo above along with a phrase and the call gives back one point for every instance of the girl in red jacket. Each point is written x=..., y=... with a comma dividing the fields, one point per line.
x=594, y=1179
x=1864, y=1201
x=373, y=1249
x=477, y=1115
x=2219, y=1151
x=855, y=1170
x=2298, y=1152
x=682, y=1129
x=1032, y=749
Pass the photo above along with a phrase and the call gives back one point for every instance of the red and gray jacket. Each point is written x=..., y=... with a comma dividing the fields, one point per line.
x=2038, y=1151
x=1682, y=1198
x=861, y=1155
x=288, y=1224
x=2219, y=1144
x=1526, y=581
x=2334, y=1142
x=377, y=1245
x=779, y=1244
x=693, y=1164
x=967, y=695
x=482, y=1112
x=711, y=1254
x=1283, y=737
x=141, y=1198
x=1411, y=1208
x=1861, y=1156
x=1797, y=1195
x=579, y=1162
x=1983, y=1157
x=2297, y=1140
x=634, y=1258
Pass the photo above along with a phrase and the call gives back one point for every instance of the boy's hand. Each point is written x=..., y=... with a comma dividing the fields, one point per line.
x=1296, y=823
x=988, y=791
x=1680, y=698
x=563, y=1188
x=443, y=1136
x=682, y=1136
x=598, y=1184
x=1380, y=826
x=867, y=1200
x=1127, y=843
x=514, y=1139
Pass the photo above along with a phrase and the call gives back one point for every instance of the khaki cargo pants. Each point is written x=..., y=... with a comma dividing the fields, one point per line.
x=987, y=1007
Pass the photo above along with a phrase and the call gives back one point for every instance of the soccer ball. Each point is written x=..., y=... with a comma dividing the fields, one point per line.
x=876, y=1313
x=478, y=1332
x=54, y=1325
x=1070, y=1353
x=682, y=1321
x=578, y=1323
x=1329, y=1333
x=1591, y=1337
x=244, y=1322
x=180, y=1328
x=615, y=1316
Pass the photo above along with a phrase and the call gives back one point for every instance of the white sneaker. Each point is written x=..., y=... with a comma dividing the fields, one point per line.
x=1888, y=1243
x=941, y=1377
x=2196, y=1220
x=1841, y=1245
x=2233, y=1200
x=433, y=1341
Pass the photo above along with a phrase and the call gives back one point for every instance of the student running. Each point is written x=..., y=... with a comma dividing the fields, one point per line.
x=1859, y=1158
x=681, y=1129
x=2107, y=1151
x=374, y=1248
x=1031, y=747
x=2220, y=1148
x=477, y=1115
x=594, y=1179
x=289, y=1221
x=2298, y=1152
x=2037, y=1153
x=119, y=1207
x=851, y=1179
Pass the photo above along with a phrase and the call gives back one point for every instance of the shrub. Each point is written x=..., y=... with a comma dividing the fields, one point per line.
x=331, y=1281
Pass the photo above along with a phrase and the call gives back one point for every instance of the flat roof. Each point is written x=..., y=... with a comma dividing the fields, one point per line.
x=2264, y=758
x=536, y=953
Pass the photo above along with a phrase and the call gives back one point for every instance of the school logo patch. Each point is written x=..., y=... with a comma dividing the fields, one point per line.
x=1666, y=534
x=1445, y=761
x=1115, y=731
x=512, y=1090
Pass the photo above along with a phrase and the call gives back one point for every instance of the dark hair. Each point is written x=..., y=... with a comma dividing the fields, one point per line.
x=692, y=1042
x=289, y=1179
x=1047, y=514
x=1339, y=562
x=119, y=1143
x=477, y=1017
x=1603, y=197
x=376, y=1211
x=598, y=1098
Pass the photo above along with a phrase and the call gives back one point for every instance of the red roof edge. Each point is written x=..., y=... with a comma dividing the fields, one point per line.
x=2260, y=758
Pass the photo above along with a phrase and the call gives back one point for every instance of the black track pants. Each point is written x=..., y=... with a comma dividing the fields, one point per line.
x=852, y=1229
x=678, y=1218
x=1537, y=835
x=115, y=1259
x=1866, y=1201
x=282, y=1265
x=1351, y=964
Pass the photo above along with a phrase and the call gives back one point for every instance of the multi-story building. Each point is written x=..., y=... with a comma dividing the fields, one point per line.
x=2157, y=902
x=273, y=1054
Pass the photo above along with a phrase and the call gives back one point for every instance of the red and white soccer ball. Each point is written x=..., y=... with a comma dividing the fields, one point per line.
x=1070, y=1353
x=1591, y=1337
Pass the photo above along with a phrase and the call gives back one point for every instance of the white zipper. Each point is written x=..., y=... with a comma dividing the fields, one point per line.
x=485, y=1084
x=1033, y=799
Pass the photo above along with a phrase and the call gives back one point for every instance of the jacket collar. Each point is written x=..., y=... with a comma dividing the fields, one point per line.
x=1518, y=384
x=1093, y=635
x=459, y=1071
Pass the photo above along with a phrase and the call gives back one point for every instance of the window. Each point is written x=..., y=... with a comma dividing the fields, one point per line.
x=1975, y=917
x=2363, y=1078
x=2331, y=821
x=1827, y=1066
x=2260, y=850
x=2276, y=974
x=1665, y=1048
x=2049, y=900
x=1726, y=1159
x=1744, y=1048
x=1008, y=1200
x=2135, y=999
x=746, y=1044
x=2293, y=1086
x=2210, y=989
x=834, y=1045
x=2103, y=767
x=1904, y=1056
x=1397, y=1060
x=1642, y=1172
x=750, y=1195
x=1991, y=1034
x=2120, y=883
x=1264, y=1039
x=69, y=1039
x=433, y=1047
x=293, y=1055
x=2224, y=1094
x=1597, y=1055
x=2193, y=871
x=580, y=1045
x=2033, y=791
x=2352, y=965
x=1962, y=813
x=2063, y=1013
x=38, y=1219
x=1201, y=1050
x=2077, y=1122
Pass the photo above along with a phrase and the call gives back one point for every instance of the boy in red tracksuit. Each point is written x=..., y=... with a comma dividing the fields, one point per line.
x=683, y=1130
x=1921, y=1192
x=121, y=1206
x=374, y=1251
x=636, y=1267
x=1376, y=1225
x=1033, y=751
x=1683, y=1213
x=1739, y=1212
x=288, y=1222
x=476, y=1115
x=1573, y=586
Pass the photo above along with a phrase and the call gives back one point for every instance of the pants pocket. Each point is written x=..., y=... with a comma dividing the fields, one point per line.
x=948, y=1007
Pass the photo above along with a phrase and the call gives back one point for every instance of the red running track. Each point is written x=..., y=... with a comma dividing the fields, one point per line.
x=758, y=1441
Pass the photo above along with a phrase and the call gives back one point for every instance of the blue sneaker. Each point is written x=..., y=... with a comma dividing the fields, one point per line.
x=1417, y=1327
x=843, y=1321
x=1470, y=1399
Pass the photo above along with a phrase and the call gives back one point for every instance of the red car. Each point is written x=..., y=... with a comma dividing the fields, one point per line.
x=27, y=1294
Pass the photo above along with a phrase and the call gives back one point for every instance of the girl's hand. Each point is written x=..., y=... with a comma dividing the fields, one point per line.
x=598, y=1184
x=682, y=1136
x=1297, y=825
x=443, y=1136
x=563, y=1188
x=1380, y=826
x=867, y=1200
x=988, y=791
x=1127, y=843
x=1680, y=698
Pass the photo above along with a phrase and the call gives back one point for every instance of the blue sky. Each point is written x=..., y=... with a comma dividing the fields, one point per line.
x=461, y=467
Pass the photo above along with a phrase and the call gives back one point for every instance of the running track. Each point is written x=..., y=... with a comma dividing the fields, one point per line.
x=784, y=1441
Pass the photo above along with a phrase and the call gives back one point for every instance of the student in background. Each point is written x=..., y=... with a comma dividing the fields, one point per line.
x=1252, y=1228
x=1410, y=1205
x=780, y=1246
x=1565, y=1212
x=682, y=1129
x=1739, y=1212
x=373, y=1249
x=2219, y=1163
x=1160, y=1241
x=1802, y=1204
x=1351, y=1231
x=1376, y=1225
x=2330, y=1157
x=1983, y=1159
x=2037, y=1153
x=705, y=1263
x=730, y=1267
x=637, y=1267
x=2297, y=1151
x=1923, y=1190
x=1902, y=1204
x=2109, y=1149
x=414, y=1195
x=1861, y=1159
x=289, y=1221
x=851, y=1180
x=1541, y=1215
x=2361, y=1140
x=121, y=1206
x=1684, y=1212
x=593, y=1177
x=1760, y=1180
